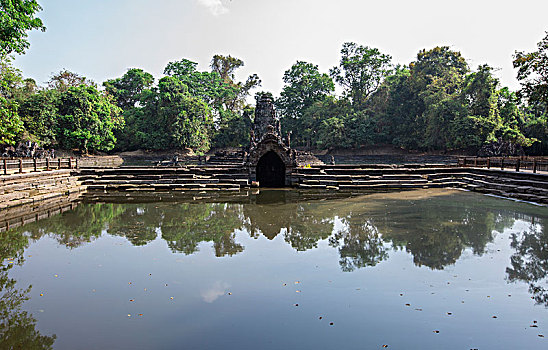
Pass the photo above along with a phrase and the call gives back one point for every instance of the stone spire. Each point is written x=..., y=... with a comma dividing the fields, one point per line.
x=265, y=117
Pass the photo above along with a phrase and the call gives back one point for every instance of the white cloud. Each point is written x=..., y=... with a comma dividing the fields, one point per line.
x=218, y=289
x=216, y=7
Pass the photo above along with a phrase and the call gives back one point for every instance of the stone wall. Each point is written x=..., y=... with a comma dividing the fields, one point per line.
x=33, y=188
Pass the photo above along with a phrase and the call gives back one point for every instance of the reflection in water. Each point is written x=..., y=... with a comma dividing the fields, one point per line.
x=435, y=230
x=17, y=327
x=530, y=260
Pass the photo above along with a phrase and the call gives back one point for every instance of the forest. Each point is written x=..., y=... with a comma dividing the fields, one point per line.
x=436, y=103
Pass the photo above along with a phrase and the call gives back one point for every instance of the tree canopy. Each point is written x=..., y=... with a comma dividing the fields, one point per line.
x=17, y=17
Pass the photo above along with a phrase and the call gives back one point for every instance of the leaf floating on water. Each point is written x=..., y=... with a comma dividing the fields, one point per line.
x=41, y=294
x=494, y=317
x=297, y=282
x=285, y=284
x=131, y=299
x=401, y=294
x=533, y=326
x=229, y=293
x=140, y=314
x=534, y=321
x=171, y=298
x=297, y=291
x=129, y=282
x=55, y=275
x=296, y=304
x=385, y=346
x=331, y=323
x=541, y=335
x=320, y=317
x=436, y=331
x=128, y=315
x=407, y=304
x=418, y=309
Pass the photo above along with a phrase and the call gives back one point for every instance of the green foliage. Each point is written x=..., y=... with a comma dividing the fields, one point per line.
x=207, y=86
x=533, y=74
x=17, y=17
x=361, y=71
x=39, y=113
x=65, y=79
x=128, y=90
x=234, y=128
x=186, y=119
x=10, y=123
x=87, y=119
x=304, y=86
x=10, y=82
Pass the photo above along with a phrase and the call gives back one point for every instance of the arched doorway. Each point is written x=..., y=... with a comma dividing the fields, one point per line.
x=271, y=170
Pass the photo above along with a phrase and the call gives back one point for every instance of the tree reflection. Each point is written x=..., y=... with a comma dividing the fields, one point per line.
x=73, y=228
x=434, y=230
x=529, y=263
x=186, y=225
x=437, y=236
x=359, y=243
x=17, y=327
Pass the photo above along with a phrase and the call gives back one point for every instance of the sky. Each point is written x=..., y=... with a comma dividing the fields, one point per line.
x=101, y=39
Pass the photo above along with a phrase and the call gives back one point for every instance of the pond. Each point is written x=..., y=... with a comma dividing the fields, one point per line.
x=427, y=269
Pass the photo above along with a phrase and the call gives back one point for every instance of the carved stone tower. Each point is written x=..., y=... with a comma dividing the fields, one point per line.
x=270, y=160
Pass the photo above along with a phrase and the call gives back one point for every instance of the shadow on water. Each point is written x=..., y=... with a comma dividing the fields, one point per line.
x=435, y=229
x=17, y=327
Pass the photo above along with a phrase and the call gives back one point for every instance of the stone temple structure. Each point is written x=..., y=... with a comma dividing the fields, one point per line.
x=270, y=160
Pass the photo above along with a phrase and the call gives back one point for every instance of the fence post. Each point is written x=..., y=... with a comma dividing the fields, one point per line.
x=58, y=163
x=34, y=164
x=47, y=164
x=76, y=166
x=518, y=161
x=20, y=165
x=502, y=163
x=70, y=163
x=488, y=163
x=5, y=167
x=534, y=165
x=476, y=162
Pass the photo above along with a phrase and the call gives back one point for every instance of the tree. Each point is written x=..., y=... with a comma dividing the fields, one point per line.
x=533, y=74
x=361, y=71
x=186, y=119
x=225, y=66
x=65, y=79
x=304, y=86
x=10, y=122
x=207, y=86
x=39, y=112
x=233, y=130
x=17, y=17
x=127, y=91
x=87, y=119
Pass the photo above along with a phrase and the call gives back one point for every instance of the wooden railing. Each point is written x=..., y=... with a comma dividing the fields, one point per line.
x=21, y=165
x=506, y=163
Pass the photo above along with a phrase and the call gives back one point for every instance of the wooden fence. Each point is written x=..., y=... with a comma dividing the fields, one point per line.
x=21, y=165
x=506, y=163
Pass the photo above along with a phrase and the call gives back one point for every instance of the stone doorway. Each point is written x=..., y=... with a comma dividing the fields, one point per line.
x=271, y=170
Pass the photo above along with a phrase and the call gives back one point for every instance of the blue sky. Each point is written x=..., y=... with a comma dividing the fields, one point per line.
x=101, y=39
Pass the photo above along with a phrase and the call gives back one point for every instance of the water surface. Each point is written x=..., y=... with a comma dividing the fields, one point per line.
x=428, y=269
